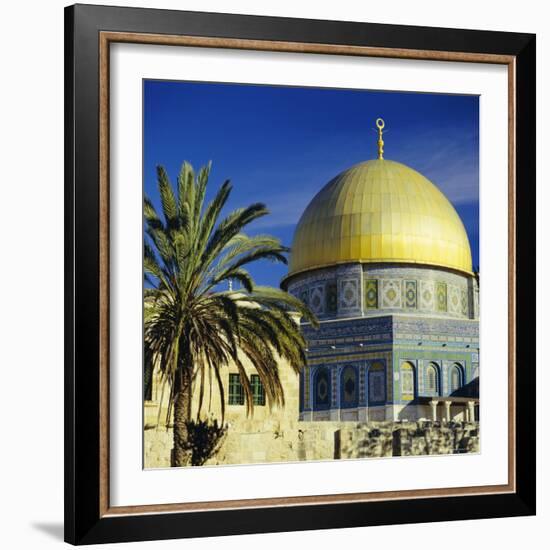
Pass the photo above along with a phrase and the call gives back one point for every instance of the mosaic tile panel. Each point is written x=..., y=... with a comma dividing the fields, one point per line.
x=389, y=380
x=376, y=382
x=464, y=302
x=391, y=293
x=371, y=294
x=317, y=299
x=362, y=386
x=349, y=298
x=427, y=295
x=322, y=388
x=441, y=296
x=334, y=377
x=349, y=387
x=410, y=294
x=307, y=401
x=444, y=378
x=454, y=299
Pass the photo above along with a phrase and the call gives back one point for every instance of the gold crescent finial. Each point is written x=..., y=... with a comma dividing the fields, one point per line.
x=380, y=124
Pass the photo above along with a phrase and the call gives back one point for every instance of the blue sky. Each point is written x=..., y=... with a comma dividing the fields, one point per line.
x=280, y=145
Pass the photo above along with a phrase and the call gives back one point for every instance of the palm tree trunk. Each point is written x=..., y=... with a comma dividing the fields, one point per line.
x=181, y=453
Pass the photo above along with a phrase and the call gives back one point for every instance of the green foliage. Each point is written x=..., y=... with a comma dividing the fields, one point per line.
x=190, y=322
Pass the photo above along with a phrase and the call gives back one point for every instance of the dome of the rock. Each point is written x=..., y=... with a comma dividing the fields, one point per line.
x=380, y=211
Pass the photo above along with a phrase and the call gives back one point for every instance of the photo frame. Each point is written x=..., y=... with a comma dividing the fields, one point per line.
x=90, y=33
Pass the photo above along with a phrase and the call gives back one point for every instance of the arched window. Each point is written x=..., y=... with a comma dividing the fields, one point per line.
x=455, y=380
x=407, y=381
x=377, y=384
x=322, y=389
x=349, y=387
x=432, y=379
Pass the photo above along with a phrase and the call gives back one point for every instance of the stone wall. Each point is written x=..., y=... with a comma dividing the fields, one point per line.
x=157, y=446
x=407, y=439
x=370, y=440
x=326, y=441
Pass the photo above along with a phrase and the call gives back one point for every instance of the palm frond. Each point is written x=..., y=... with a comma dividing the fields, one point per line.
x=167, y=198
x=190, y=324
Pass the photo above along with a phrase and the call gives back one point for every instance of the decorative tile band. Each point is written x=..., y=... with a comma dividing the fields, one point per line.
x=364, y=290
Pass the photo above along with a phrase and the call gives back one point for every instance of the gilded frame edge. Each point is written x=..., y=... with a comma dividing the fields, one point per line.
x=108, y=37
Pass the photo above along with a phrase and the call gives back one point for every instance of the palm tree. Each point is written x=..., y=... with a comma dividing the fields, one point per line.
x=193, y=326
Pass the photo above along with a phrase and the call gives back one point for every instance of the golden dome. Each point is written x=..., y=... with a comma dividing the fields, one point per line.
x=380, y=211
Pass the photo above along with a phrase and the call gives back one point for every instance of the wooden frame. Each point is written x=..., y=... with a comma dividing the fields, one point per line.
x=89, y=518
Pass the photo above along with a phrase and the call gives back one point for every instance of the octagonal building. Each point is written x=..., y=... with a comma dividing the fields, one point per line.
x=382, y=258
